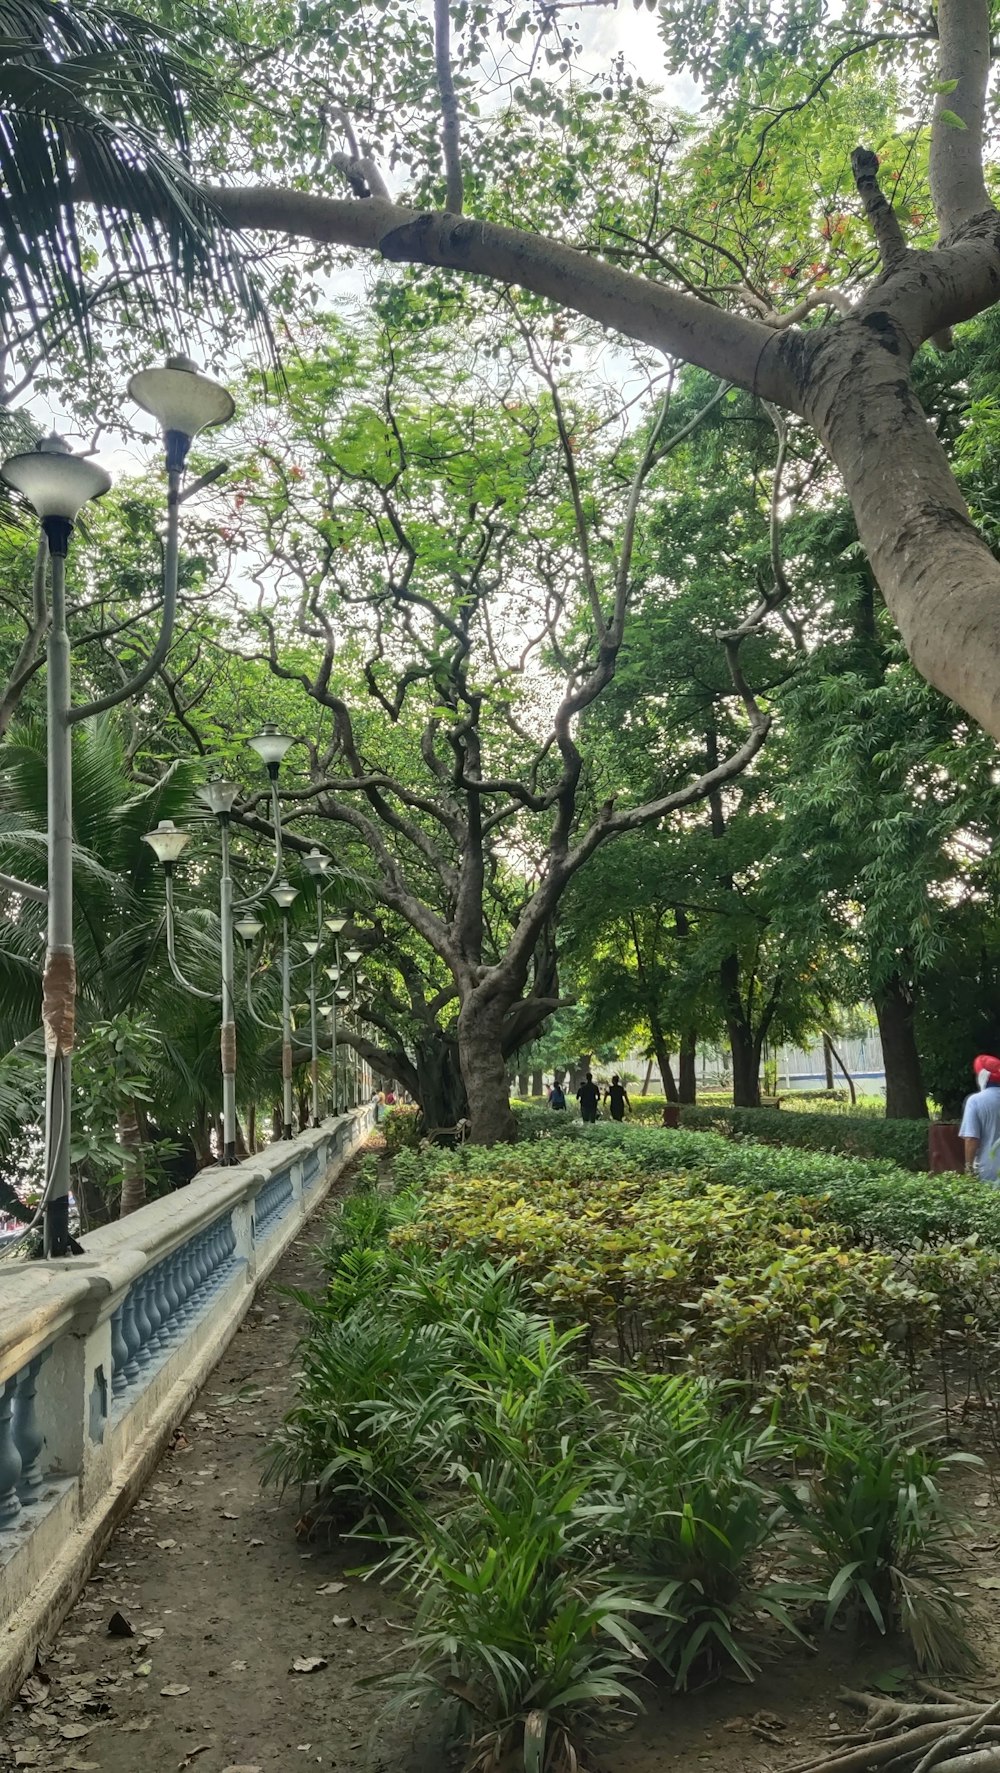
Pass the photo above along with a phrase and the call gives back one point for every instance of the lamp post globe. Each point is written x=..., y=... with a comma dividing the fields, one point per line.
x=270, y=745
x=57, y=484
x=184, y=401
x=219, y=795
x=167, y=842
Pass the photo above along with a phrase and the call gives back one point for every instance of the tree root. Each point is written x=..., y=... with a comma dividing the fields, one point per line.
x=925, y=1736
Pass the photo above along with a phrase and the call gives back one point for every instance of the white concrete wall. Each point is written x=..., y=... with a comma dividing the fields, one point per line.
x=114, y=1345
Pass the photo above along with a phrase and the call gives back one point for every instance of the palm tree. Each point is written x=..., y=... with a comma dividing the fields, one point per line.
x=97, y=106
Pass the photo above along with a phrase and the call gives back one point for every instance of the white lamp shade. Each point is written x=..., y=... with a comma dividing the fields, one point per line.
x=312, y=948
x=333, y=973
x=219, y=795
x=343, y=994
x=248, y=927
x=181, y=398
x=353, y=955
x=284, y=894
x=269, y=744
x=315, y=863
x=55, y=481
x=167, y=841
x=335, y=925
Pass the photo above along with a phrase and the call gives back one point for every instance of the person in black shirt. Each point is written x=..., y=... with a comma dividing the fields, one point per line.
x=617, y=1095
x=588, y=1095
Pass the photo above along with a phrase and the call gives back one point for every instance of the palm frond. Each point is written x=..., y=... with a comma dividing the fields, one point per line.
x=96, y=105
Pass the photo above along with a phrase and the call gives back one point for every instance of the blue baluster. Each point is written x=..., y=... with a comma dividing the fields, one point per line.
x=171, y=1292
x=119, y=1355
x=153, y=1310
x=130, y=1331
x=28, y=1437
x=10, y=1459
x=199, y=1258
x=188, y=1282
x=143, y=1326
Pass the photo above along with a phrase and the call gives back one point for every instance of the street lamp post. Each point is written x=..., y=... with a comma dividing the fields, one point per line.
x=284, y=896
x=336, y=926
x=167, y=842
x=352, y=956
x=58, y=484
x=317, y=865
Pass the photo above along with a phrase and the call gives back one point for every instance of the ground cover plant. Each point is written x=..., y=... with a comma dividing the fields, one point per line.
x=601, y=1423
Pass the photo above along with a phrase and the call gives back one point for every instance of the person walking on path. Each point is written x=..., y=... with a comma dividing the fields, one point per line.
x=557, y=1095
x=617, y=1095
x=588, y=1095
x=980, y=1128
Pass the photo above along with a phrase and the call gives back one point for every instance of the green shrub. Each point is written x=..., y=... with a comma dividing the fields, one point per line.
x=874, y=1202
x=869, y=1503
x=681, y=1493
x=402, y=1129
x=902, y=1142
x=520, y=1617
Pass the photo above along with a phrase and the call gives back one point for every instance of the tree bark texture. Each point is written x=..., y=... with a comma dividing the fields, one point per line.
x=905, y=1096
x=687, y=1068
x=133, y=1165
x=480, y=1044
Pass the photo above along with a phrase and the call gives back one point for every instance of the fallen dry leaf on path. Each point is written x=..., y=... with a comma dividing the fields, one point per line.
x=332, y=1588
x=308, y=1664
x=136, y=1723
x=202, y=1748
x=174, y=1690
x=72, y=1732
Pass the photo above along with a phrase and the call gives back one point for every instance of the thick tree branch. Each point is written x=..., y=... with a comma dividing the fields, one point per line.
x=882, y=218
x=728, y=345
x=958, y=187
x=450, y=138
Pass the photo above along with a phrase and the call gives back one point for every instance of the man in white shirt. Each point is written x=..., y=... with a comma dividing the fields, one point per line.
x=980, y=1128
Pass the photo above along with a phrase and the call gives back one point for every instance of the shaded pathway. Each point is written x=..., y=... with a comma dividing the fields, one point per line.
x=223, y=1599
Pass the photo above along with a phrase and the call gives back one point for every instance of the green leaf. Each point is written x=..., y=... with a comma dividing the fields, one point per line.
x=952, y=119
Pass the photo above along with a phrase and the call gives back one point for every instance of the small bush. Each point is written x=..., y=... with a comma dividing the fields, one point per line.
x=869, y=1503
x=402, y=1129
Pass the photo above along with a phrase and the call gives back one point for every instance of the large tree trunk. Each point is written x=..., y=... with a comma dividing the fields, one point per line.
x=663, y=1061
x=480, y=1045
x=905, y=1096
x=536, y=1083
x=743, y=1046
x=133, y=1164
x=687, y=1088
x=440, y=1087
x=746, y=1064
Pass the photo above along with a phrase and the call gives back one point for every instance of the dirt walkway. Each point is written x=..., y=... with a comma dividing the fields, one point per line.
x=222, y=1599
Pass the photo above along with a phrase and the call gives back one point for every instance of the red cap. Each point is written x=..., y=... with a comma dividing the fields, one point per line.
x=986, y=1062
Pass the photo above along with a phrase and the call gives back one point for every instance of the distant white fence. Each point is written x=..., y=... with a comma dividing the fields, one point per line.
x=101, y=1355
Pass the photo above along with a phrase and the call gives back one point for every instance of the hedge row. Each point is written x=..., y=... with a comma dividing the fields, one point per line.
x=877, y=1202
x=902, y=1142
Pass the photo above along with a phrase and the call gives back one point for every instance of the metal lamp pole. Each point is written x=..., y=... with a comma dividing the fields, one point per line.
x=317, y=865
x=58, y=484
x=167, y=843
x=352, y=956
x=284, y=896
x=336, y=926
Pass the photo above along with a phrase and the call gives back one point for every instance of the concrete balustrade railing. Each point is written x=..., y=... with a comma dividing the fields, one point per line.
x=101, y=1355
